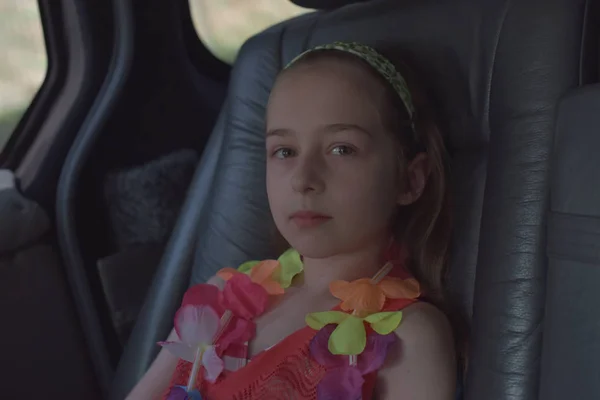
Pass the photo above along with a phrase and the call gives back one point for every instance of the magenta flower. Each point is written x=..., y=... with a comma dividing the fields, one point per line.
x=235, y=329
x=204, y=294
x=344, y=381
x=210, y=320
x=244, y=298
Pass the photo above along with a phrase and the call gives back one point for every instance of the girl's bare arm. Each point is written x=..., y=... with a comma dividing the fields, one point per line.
x=156, y=380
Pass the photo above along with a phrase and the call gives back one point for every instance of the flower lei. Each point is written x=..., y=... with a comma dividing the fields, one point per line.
x=210, y=320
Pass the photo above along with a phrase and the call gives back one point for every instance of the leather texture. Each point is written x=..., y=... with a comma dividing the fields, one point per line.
x=496, y=69
x=571, y=349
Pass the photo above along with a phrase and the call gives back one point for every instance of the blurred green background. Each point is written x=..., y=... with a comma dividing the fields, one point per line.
x=223, y=26
x=23, y=63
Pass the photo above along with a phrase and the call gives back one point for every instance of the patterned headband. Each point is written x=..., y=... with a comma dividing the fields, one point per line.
x=381, y=64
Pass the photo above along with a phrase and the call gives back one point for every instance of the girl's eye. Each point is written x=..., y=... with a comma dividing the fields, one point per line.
x=343, y=151
x=283, y=152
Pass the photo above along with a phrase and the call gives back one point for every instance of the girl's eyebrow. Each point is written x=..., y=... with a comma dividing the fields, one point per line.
x=279, y=132
x=331, y=128
x=334, y=128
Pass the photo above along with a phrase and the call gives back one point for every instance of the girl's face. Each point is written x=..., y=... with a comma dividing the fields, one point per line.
x=333, y=173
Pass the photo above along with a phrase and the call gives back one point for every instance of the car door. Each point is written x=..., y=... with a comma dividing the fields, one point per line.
x=56, y=56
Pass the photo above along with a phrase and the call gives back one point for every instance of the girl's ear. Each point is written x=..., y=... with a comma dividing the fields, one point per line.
x=417, y=173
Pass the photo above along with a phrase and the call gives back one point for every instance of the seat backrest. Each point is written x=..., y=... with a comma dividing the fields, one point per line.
x=571, y=348
x=496, y=69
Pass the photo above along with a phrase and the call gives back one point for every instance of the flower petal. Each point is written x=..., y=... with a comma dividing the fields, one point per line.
x=319, y=349
x=319, y=319
x=246, y=267
x=238, y=330
x=177, y=393
x=372, y=358
x=340, y=289
x=291, y=265
x=347, y=305
x=204, y=294
x=264, y=270
x=359, y=295
x=343, y=383
x=396, y=288
x=213, y=365
x=349, y=338
x=272, y=287
x=368, y=298
x=194, y=395
x=180, y=350
x=244, y=298
x=385, y=322
x=227, y=273
x=196, y=325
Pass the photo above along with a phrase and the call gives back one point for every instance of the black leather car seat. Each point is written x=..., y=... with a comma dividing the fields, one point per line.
x=497, y=69
x=571, y=346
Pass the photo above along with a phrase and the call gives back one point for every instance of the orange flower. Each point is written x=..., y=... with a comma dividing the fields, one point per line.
x=261, y=273
x=364, y=296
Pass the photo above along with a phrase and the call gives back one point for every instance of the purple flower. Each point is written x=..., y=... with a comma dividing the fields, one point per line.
x=179, y=393
x=341, y=383
x=344, y=381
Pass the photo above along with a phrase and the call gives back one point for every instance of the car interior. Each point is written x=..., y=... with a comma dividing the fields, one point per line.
x=138, y=170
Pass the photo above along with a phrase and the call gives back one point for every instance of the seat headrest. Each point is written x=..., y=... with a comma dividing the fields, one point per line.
x=325, y=4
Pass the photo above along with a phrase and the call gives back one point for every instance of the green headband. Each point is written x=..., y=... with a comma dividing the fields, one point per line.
x=381, y=64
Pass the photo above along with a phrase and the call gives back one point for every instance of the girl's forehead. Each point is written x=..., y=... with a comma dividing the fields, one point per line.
x=326, y=93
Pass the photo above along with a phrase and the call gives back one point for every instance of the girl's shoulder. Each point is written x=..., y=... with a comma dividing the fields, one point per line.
x=427, y=353
x=421, y=318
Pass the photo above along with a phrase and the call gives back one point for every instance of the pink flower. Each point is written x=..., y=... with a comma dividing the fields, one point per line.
x=197, y=326
x=209, y=317
x=235, y=329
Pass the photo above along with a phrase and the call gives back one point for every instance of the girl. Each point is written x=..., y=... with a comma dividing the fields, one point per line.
x=356, y=184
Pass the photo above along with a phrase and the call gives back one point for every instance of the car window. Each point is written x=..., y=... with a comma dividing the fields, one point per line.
x=23, y=63
x=224, y=25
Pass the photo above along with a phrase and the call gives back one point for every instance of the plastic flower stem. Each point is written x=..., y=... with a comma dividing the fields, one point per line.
x=353, y=358
x=382, y=273
x=225, y=318
x=195, y=368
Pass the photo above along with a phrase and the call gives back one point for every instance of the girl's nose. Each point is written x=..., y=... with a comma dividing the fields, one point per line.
x=307, y=177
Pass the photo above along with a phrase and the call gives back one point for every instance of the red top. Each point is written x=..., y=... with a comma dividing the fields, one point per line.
x=285, y=371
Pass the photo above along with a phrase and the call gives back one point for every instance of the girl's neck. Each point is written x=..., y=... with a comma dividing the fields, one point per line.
x=361, y=263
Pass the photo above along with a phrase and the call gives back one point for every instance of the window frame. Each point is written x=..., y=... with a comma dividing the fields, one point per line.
x=198, y=37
